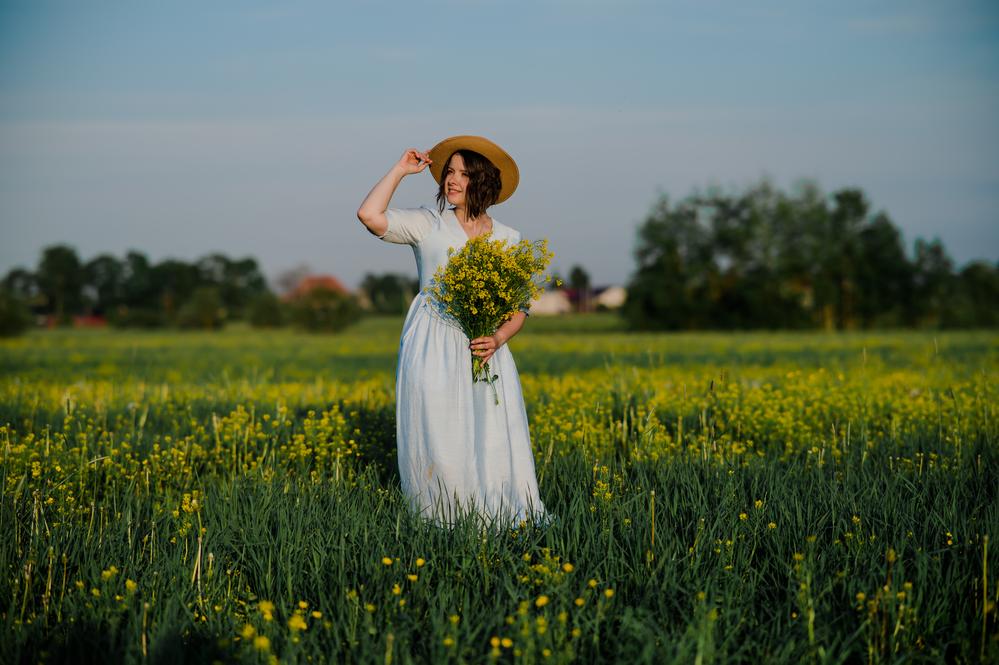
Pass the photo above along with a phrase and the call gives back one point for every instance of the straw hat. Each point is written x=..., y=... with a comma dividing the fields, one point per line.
x=509, y=173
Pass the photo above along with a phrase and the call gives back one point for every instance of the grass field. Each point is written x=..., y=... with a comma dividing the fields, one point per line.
x=767, y=497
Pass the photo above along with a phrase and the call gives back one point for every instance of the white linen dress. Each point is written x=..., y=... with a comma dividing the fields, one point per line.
x=459, y=452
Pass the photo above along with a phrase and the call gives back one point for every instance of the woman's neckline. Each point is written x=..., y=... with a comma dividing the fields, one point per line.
x=492, y=225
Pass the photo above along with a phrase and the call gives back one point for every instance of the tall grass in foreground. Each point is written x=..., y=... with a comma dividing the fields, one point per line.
x=721, y=499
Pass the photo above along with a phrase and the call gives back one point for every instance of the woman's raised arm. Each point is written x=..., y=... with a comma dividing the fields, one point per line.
x=372, y=210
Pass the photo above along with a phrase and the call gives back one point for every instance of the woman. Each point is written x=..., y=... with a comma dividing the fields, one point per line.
x=458, y=451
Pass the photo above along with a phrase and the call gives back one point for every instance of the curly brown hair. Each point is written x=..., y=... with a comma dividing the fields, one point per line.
x=484, y=183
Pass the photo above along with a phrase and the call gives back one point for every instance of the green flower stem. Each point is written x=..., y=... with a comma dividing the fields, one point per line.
x=480, y=372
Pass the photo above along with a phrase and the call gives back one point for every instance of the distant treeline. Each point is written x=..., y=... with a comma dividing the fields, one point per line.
x=132, y=291
x=767, y=259
x=757, y=259
x=207, y=293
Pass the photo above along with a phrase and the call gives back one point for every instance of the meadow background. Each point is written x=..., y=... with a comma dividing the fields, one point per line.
x=190, y=474
x=232, y=496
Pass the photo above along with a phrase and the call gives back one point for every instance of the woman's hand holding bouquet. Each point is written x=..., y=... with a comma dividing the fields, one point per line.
x=484, y=284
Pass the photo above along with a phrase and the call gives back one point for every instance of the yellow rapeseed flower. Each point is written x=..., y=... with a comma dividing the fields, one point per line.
x=296, y=622
x=262, y=642
x=541, y=601
x=387, y=560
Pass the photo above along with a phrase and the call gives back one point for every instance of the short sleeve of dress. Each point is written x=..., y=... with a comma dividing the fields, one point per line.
x=408, y=226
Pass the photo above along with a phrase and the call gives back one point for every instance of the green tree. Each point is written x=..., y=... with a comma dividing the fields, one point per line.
x=841, y=251
x=175, y=283
x=204, y=309
x=238, y=281
x=15, y=317
x=747, y=288
x=933, y=283
x=139, y=288
x=671, y=285
x=104, y=283
x=139, y=305
x=60, y=279
x=579, y=281
x=800, y=223
x=22, y=283
x=325, y=310
x=975, y=301
x=266, y=311
x=390, y=293
x=883, y=274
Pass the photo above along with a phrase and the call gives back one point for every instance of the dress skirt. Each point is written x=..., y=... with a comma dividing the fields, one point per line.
x=459, y=452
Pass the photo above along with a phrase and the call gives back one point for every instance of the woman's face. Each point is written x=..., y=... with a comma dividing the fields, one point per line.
x=455, y=181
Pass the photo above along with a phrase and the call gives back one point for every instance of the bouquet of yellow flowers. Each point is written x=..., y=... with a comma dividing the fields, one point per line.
x=485, y=283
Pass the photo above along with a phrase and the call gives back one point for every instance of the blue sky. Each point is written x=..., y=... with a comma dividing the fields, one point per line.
x=254, y=128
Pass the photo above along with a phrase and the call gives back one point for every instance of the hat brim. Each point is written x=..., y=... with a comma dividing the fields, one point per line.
x=509, y=173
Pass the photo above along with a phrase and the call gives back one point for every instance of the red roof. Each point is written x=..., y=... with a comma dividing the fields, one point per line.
x=316, y=281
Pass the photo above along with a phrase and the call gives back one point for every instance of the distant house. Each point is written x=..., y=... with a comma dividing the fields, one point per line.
x=310, y=282
x=600, y=297
x=78, y=321
x=550, y=303
x=89, y=321
x=611, y=297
